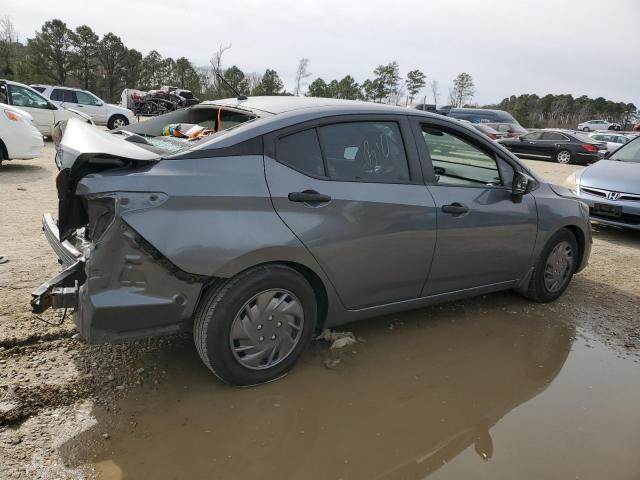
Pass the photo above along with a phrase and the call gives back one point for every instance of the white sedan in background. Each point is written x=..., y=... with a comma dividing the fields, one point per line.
x=19, y=138
x=101, y=112
x=593, y=125
x=613, y=140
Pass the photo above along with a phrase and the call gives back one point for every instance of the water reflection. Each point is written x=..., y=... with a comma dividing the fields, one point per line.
x=398, y=406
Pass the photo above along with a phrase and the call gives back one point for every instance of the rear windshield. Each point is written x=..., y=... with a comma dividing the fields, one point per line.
x=185, y=128
x=584, y=138
x=629, y=152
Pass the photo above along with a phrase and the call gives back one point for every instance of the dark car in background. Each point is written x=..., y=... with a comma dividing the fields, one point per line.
x=485, y=129
x=562, y=146
x=479, y=115
x=512, y=130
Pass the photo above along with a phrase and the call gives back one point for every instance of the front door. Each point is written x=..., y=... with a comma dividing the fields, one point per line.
x=485, y=235
x=91, y=106
x=34, y=104
x=353, y=193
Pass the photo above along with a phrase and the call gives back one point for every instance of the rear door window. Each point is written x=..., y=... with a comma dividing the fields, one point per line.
x=364, y=151
x=301, y=151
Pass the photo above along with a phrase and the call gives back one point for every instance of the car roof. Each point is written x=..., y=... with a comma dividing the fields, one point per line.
x=286, y=103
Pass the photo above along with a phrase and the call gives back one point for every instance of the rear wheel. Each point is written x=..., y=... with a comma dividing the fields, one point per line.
x=563, y=156
x=555, y=268
x=253, y=328
x=117, y=121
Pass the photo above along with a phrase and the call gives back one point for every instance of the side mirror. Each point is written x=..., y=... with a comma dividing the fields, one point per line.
x=522, y=184
x=607, y=154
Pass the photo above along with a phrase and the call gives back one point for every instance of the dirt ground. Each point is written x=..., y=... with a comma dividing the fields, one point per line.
x=61, y=400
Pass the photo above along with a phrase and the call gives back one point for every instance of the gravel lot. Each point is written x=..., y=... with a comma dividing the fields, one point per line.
x=50, y=382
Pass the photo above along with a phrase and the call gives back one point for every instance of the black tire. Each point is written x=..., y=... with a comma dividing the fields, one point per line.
x=3, y=156
x=217, y=311
x=538, y=289
x=116, y=122
x=563, y=154
x=586, y=129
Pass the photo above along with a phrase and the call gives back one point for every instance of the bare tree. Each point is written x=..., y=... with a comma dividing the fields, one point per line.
x=434, y=91
x=216, y=68
x=463, y=90
x=8, y=42
x=301, y=73
x=253, y=80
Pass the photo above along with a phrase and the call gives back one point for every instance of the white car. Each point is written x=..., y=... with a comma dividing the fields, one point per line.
x=613, y=140
x=45, y=114
x=593, y=125
x=102, y=113
x=19, y=138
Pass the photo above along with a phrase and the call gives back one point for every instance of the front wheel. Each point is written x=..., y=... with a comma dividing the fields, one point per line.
x=585, y=129
x=253, y=328
x=563, y=156
x=117, y=121
x=555, y=268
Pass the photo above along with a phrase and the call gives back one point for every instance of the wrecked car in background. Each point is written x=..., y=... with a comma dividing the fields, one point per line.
x=157, y=102
x=274, y=217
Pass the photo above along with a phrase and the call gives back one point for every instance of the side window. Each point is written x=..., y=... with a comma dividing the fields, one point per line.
x=553, y=136
x=39, y=89
x=301, y=151
x=57, y=95
x=85, y=99
x=364, y=151
x=70, y=96
x=458, y=162
x=24, y=97
x=532, y=136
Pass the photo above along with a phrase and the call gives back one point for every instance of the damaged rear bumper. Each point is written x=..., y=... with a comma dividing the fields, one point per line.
x=118, y=290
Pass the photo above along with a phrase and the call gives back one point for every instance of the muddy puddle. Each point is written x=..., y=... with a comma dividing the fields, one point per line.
x=452, y=392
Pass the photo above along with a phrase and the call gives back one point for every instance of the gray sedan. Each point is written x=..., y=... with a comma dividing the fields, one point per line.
x=256, y=222
x=611, y=187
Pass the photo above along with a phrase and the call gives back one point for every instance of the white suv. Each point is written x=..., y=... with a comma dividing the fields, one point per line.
x=102, y=113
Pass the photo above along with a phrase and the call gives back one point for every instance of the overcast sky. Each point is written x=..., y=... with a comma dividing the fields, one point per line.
x=581, y=47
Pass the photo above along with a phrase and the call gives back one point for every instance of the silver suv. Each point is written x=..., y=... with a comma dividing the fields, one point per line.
x=256, y=222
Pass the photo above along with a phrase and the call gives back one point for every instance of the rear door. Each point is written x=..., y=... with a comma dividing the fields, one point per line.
x=485, y=235
x=30, y=101
x=351, y=189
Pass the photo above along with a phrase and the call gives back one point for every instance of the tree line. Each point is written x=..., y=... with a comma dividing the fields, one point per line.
x=79, y=57
x=565, y=111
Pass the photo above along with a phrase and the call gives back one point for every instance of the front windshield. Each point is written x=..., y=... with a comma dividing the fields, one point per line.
x=629, y=152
